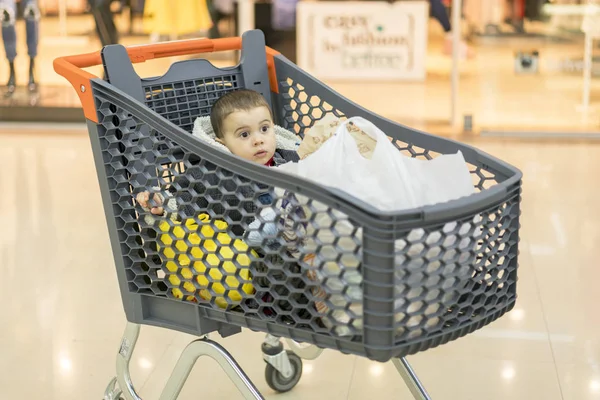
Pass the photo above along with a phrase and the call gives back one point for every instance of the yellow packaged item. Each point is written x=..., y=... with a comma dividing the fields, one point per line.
x=207, y=244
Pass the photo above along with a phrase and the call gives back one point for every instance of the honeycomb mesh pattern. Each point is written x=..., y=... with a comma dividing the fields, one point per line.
x=301, y=110
x=456, y=274
x=197, y=252
x=231, y=243
x=261, y=256
x=445, y=277
x=182, y=102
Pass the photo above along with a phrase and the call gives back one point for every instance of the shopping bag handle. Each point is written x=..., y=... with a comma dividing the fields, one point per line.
x=71, y=67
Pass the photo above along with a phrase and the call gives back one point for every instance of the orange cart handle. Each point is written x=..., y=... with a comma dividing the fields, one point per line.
x=142, y=53
x=70, y=67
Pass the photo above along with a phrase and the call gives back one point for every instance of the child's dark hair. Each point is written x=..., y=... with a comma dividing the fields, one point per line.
x=239, y=100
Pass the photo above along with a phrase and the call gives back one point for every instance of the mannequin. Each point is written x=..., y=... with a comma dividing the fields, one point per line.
x=8, y=15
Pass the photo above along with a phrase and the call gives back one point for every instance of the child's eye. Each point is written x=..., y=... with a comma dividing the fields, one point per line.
x=244, y=134
x=265, y=128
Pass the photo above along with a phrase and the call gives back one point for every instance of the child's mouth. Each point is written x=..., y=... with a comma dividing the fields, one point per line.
x=261, y=153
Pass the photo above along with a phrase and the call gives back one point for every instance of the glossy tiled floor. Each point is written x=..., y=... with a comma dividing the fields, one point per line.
x=61, y=316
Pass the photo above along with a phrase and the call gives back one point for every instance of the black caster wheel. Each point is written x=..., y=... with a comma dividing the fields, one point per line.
x=277, y=382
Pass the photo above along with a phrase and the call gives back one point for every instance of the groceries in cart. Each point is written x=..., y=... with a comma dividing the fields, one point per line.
x=237, y=274
x=276, y=254
x=356, y=157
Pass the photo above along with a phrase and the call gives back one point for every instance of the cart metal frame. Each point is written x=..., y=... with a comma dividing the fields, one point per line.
x=122, y=386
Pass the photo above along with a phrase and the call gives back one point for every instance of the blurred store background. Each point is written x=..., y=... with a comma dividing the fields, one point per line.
x=522, y=66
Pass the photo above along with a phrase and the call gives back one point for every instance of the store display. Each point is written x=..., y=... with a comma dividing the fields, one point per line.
x=31, y=13
x=169, y=18
x=363, y=40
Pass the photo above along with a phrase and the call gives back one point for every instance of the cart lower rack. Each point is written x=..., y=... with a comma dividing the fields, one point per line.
x=357, y=280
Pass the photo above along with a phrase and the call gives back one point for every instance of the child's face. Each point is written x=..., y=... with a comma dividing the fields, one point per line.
x=250, y=135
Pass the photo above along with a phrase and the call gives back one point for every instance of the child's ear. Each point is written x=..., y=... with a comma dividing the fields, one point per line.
x=220, y=141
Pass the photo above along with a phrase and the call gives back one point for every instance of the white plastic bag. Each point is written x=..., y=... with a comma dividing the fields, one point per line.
x=389, y=180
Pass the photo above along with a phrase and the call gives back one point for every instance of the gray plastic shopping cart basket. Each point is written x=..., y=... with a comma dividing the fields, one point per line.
x=380, y=285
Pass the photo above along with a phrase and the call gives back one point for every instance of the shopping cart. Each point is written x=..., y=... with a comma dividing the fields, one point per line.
x=380, y=285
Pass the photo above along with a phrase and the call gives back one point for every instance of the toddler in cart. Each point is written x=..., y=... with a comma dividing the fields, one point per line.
x=242, y=122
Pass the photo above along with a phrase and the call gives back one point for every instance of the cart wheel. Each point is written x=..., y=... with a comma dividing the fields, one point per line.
x=277, y=382
x=305, y=351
